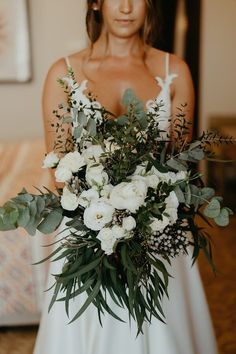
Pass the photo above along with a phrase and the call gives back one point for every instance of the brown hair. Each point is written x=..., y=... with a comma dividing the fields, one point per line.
x=148, y=33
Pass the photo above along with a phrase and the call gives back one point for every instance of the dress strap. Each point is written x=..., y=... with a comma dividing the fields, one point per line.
x=167, y=64
x=67, y=62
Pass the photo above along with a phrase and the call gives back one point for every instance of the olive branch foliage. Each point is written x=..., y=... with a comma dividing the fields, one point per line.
x=134, y=276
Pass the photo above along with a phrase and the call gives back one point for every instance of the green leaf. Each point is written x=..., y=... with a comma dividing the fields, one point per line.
x=90, y=298
x=128, y=97
x=223, y=218
x=213, y=209
x=77, y=132
x=51, y=222
x=176, y=165
x=82, y=119
x=92, y=127
x=122, y=120
x=180, y=195
x=197, y=154
x=207, y=193
x=24, y=217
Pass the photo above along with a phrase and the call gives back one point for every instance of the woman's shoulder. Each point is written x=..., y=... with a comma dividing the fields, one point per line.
x=59, y=68
x=177, y=65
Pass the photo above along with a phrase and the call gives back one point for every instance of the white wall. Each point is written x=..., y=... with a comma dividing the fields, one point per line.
x=218, y=60
x=57, y=29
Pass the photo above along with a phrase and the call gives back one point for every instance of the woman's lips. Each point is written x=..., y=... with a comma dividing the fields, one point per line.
x=124, y=21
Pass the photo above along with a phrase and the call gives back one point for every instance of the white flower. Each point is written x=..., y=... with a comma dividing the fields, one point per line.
x=87, y=196
x=62, y=174
x=92, y=154
x=118, y=231
x=98, y=214
x=50, y=160
x=169, y=176
x=159, y=225
x=129, y=223
x=69, y=201
x=151, y=179
x=106, y=190
x=129, y=195
x=96, y=176
x=73, y=161
x=107, y=239
x=172, y=204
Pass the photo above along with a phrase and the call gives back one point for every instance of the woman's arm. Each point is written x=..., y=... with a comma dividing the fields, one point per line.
x=53, y=95
x=183, y=90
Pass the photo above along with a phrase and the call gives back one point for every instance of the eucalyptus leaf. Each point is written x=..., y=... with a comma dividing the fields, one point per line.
x=92, y=127
x=213, y=209
x=223, y=218
x=51, y=222
x=176, y=165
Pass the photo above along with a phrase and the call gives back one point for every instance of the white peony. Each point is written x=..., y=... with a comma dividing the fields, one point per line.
x=50, y=160
x=62, y=174
x=69, y=201
x=96, y=176
x=86, y=197
x=107, y=239
x=73, y=161
x=118, y=231
x=129, y=195
x=92, y=154
x=159, y=225
x=98, y=214
x=129, y=223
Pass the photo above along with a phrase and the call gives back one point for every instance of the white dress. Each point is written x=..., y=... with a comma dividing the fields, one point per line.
x=188, y=329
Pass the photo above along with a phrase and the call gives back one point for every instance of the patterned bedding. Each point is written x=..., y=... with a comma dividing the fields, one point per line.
x=21, y=283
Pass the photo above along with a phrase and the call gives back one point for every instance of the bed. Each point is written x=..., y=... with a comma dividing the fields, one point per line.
x=21, y=283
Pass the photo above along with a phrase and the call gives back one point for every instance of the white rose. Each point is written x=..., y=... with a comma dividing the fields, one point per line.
x=73, y=161
x=107, y=239
x=98, y=214
x=92, y=154
x=129, y=223
x=86, y=197
x=50, y=160
x=69, y=201
x=62, y=174
x=159, y=225
x=96, y=176
x=118, y=231
x=129, y=195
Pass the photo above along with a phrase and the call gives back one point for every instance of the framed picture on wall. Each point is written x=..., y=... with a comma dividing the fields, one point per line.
x=15, y=54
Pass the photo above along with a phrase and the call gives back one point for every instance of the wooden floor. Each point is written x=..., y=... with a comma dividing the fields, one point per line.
x=220, y=290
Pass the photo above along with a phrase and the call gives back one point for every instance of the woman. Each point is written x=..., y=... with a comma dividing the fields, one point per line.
x=121, y=57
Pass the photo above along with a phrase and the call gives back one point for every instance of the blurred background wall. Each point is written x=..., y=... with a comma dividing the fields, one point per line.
x=57, y=29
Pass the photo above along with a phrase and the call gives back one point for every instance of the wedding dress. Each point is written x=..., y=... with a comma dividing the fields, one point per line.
x=188, y=328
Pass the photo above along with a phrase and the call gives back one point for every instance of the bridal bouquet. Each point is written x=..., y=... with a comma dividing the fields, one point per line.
x=131, y=193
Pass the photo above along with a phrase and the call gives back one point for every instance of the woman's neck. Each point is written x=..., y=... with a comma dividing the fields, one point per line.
x=110, y=45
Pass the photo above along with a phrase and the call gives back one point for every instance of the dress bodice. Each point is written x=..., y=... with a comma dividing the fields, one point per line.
x=163, y=99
